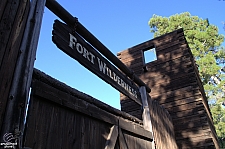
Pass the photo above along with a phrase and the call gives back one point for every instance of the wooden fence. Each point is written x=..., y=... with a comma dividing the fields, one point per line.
x=176, y=85
x=62, y=117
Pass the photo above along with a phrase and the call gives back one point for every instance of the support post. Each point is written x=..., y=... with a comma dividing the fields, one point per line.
x=13, y=17
x=146, y=113
x=122, y=141
x=13, y=123
x=64, y=15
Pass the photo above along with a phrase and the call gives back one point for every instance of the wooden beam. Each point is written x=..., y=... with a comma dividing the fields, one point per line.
x=19, y=92
x=112, y=137
x=53, y=94
x=135, y=129
x=62, y=89
x=64, y=15
x=50, y=93
x=122, y=141
x=146, y=114
x=76, y=47
x=13, y=17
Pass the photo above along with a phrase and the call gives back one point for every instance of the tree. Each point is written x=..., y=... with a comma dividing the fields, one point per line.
x=205, y=43
x=218, y=114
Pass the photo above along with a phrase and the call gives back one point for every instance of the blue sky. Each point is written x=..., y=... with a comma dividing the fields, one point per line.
x=118, y=24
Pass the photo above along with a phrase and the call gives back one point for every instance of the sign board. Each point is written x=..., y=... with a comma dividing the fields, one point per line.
x=76, y=47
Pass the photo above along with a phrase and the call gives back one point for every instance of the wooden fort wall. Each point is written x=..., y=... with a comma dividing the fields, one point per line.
x=161, y=120
x=175, y=84
x=13, y=17
x=62, y=117
x=58, y=116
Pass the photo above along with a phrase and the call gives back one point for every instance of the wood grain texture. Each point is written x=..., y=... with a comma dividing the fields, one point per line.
x=112, y=137
x=13, y=16
x=91, y=59
x=22, y=75
x=62, y=117
x=176, y=85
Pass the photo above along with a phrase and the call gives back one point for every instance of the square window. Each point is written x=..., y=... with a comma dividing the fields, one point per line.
x=149, y=55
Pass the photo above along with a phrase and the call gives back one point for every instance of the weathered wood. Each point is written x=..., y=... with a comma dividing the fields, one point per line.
x=182, y=135
x=156, y=42
x=53, y=126
x=74, y=103
x=70, y=20
x=122, y=141
x=162, y=126
x=13, y=15
x=39, y=76
x=112, y=137
x=199, y=144
x=135, y=129
x=177, y=102
x=163, y=67
x=176, y=84
x=146, y=114
x=169, y=53
x=19, y=92
x=2, y=8
x=174, y=63
x=55, y=95
x=183, y=107
x=170, y=81
x=189, y=126
x=73, y=45
x=180, y=93
x=62, y=117
x=172, y=87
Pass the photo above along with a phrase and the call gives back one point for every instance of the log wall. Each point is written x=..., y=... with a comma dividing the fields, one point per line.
x=175, y=84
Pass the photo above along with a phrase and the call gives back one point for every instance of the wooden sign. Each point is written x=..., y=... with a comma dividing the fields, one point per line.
x=76, y=47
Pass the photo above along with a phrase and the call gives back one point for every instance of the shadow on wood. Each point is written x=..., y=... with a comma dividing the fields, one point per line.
x=176, y=86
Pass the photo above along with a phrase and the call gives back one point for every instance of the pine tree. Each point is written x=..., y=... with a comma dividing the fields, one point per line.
x=205, y=43
x=218, y=113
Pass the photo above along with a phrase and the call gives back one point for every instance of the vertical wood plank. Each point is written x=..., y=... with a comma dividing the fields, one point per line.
x=19, y=92
x=146, y=114
x=122, y=141
x=13, y=18
x=112, y=137
x=2, y=8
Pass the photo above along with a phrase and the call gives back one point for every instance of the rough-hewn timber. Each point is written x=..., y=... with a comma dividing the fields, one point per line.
x=13, y=17
x=62, y=117
x=175, y=84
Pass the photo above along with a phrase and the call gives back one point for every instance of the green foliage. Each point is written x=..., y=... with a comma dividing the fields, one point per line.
x=205, y=43
x=218, y=114
x=202, y=37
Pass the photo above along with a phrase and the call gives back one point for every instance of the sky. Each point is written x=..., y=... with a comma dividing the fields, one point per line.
x=118, y=24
